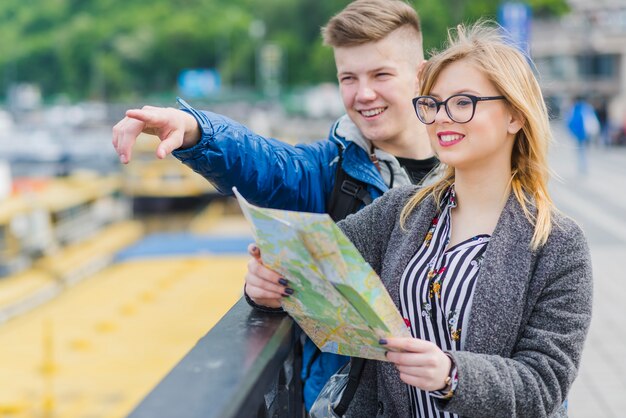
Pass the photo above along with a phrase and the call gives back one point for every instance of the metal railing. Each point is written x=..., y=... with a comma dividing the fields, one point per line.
x=247, y=365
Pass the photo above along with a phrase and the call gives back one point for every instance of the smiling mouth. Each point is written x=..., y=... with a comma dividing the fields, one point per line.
x=368, y=113
x=450, y=137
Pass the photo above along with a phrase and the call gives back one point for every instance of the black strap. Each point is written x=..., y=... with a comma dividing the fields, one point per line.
x=348, y=194
x=351, y=188
x=347, y=197
x=356, y=369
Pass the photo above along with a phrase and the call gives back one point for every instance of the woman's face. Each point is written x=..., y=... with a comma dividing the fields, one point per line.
x=487, y=139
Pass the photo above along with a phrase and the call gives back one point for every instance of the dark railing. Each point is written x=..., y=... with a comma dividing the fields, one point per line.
x=248, y=365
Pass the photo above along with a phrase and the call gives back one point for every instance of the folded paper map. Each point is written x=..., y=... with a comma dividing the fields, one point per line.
x=338, y=300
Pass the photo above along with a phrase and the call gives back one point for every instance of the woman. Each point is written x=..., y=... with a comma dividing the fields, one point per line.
x=494, y=282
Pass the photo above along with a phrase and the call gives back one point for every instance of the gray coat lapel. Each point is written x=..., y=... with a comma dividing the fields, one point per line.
x=502, y=284
x=405, y=244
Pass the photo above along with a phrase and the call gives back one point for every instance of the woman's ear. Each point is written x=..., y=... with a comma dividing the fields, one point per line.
x=516, y=122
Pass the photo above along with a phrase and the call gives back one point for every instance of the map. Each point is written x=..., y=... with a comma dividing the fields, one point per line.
x=338, y=300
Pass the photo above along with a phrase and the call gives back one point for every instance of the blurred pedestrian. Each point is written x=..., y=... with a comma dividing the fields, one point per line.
x=583, y=124
x=620, y=135
x=601, y=108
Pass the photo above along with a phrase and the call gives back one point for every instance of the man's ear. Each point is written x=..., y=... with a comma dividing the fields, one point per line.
x=420, y=68
x=420, y=71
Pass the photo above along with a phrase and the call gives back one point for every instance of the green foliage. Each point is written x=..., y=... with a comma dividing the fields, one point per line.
x=126, y=48
x=437, y=16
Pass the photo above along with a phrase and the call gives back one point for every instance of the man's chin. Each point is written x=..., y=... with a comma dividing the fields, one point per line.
x=376, y=138
x=373, y=133
x=368, y=130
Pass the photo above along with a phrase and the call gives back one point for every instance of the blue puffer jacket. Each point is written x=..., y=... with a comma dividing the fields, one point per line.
x=270, y=173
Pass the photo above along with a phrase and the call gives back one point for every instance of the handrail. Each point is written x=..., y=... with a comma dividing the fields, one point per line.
x=247, y=365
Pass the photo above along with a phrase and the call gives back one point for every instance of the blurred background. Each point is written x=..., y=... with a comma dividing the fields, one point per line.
x=109, y=274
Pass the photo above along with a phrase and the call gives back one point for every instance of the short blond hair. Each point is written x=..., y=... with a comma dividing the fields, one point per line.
x=486, y=47
x=364, y=21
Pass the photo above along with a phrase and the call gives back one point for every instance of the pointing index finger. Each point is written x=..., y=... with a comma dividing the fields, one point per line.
x=144, y=115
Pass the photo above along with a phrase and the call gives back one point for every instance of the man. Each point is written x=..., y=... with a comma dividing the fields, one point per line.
x=378, y=145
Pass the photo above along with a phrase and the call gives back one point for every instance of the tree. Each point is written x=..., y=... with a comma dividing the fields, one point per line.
x=125, y=48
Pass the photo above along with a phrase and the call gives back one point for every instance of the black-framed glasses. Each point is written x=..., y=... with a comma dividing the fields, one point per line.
x=459, y=107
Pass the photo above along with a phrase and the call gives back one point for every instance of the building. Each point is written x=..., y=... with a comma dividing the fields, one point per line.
x=584, y=54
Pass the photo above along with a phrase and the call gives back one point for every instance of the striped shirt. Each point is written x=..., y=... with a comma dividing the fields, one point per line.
x=436, y=293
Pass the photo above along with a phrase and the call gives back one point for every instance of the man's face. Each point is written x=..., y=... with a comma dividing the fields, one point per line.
x=377, y=82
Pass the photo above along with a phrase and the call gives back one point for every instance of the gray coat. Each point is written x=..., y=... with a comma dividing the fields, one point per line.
x=528, y=322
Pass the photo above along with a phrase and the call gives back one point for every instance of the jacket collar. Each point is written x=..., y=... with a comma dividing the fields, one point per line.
x=347, y=136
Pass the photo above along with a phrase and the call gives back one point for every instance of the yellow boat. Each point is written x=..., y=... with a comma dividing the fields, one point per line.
x=55, y=232
x=97, y=346
x=163, y=185
x=14, y=214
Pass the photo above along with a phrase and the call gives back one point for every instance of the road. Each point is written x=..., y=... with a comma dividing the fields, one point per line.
x=597, y=201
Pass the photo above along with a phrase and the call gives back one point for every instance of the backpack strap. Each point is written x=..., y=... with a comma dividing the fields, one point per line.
x=348, y=194
x=356, y=369
x=347, y=197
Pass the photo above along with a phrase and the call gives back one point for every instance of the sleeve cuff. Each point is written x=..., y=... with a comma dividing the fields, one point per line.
x=206, y=131
x=448, y=392
x=261, y=308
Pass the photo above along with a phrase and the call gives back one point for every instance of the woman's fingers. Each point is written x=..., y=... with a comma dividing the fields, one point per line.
x=263, y=297
x=254, y=251
x=261, y=277
x=263, y=285
x=420, y=363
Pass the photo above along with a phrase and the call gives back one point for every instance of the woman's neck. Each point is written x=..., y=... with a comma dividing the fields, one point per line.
x=480, y=198
x=482, y=191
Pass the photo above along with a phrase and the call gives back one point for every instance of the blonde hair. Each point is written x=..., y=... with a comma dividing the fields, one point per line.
x=364, y=21
x=485, y=46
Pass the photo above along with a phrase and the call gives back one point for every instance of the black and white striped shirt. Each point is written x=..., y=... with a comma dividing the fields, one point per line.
x=436, y=294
